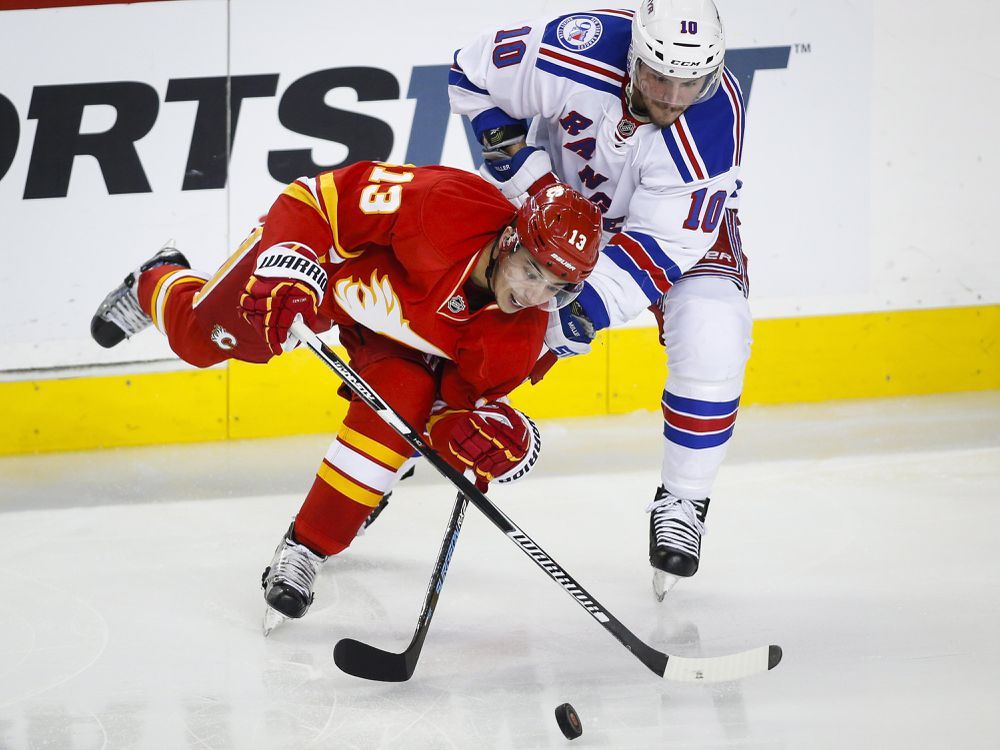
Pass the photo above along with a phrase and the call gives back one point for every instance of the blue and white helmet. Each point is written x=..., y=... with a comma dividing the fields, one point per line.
x=680, y=39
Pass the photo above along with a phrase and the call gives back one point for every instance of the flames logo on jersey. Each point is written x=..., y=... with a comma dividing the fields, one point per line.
x=578, y=33
x=376, y=306
x=223, y=338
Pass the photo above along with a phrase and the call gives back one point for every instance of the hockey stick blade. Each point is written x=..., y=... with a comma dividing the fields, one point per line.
x=712, y=669
x=370, y=663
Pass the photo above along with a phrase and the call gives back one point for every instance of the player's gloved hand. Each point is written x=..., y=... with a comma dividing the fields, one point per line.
x=286, y=282
x=569, y=331
x=568, y=334
x=495, y=441
x=525, y=173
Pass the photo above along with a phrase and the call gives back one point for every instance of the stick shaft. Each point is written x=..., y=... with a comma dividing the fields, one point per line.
x=437, y=578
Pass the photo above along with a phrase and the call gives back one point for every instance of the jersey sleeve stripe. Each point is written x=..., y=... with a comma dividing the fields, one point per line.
x=652, y=247
x=737, y=100
x=621, y=259
x=690, y=150
x=575, y=74
x=735, y=88
x=328, y=191
x=675, y=153
x=569, y=59
x=303, y=193
x=651, y=269
x=709, y=135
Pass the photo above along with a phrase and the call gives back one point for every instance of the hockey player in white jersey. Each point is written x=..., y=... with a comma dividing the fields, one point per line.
x=637, y=111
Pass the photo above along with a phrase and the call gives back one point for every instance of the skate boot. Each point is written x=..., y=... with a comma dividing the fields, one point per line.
x=676, y=527
x=288, y=581
x=120, y=316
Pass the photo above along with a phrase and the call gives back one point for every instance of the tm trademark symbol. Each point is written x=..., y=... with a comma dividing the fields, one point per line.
x=802, y=48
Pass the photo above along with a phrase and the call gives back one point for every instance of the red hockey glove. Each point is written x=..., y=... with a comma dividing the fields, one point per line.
x=286, y=282
x=496, y=441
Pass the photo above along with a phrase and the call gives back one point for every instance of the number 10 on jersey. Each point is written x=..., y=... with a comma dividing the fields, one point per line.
x=710, y=220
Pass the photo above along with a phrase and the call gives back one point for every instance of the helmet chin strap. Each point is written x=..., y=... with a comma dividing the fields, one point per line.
x=492, y=265
x=629, y=96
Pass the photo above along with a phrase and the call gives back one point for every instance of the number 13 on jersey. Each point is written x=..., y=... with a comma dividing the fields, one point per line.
x=385, y=194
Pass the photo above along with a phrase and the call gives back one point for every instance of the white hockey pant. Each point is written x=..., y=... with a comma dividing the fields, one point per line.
x=706, y=328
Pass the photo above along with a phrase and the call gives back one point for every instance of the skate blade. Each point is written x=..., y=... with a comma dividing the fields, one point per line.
x=662, y=583
x=272, y=619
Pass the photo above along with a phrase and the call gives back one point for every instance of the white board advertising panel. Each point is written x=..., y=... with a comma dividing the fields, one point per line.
x=115, y=139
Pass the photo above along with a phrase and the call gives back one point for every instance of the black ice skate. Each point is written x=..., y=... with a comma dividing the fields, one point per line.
x=288, y=581
x=676, y=527
x=119, y=316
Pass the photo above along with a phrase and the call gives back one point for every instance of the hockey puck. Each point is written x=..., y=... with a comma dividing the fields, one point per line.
x=568, y=721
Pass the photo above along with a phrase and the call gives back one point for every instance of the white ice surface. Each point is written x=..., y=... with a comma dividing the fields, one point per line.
x=862, y=537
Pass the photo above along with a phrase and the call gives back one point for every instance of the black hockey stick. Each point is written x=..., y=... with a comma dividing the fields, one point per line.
x=670, y=667
x=370, y=663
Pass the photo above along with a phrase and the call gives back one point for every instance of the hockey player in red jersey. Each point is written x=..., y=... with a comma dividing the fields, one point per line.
x=439, y=288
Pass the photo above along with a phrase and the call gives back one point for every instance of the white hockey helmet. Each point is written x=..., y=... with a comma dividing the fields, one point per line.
x=678, y=39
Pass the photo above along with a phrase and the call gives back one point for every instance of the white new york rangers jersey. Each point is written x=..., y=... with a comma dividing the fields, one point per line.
x=663, y=191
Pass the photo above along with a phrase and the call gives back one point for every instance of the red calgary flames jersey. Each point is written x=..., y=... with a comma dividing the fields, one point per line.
x=398, y=244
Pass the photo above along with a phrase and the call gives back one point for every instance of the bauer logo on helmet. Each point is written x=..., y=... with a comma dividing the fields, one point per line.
x=562, y=261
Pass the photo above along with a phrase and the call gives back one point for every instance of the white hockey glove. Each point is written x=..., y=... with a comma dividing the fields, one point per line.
x=569, y=331
x=524, y=173
x=568, y=334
